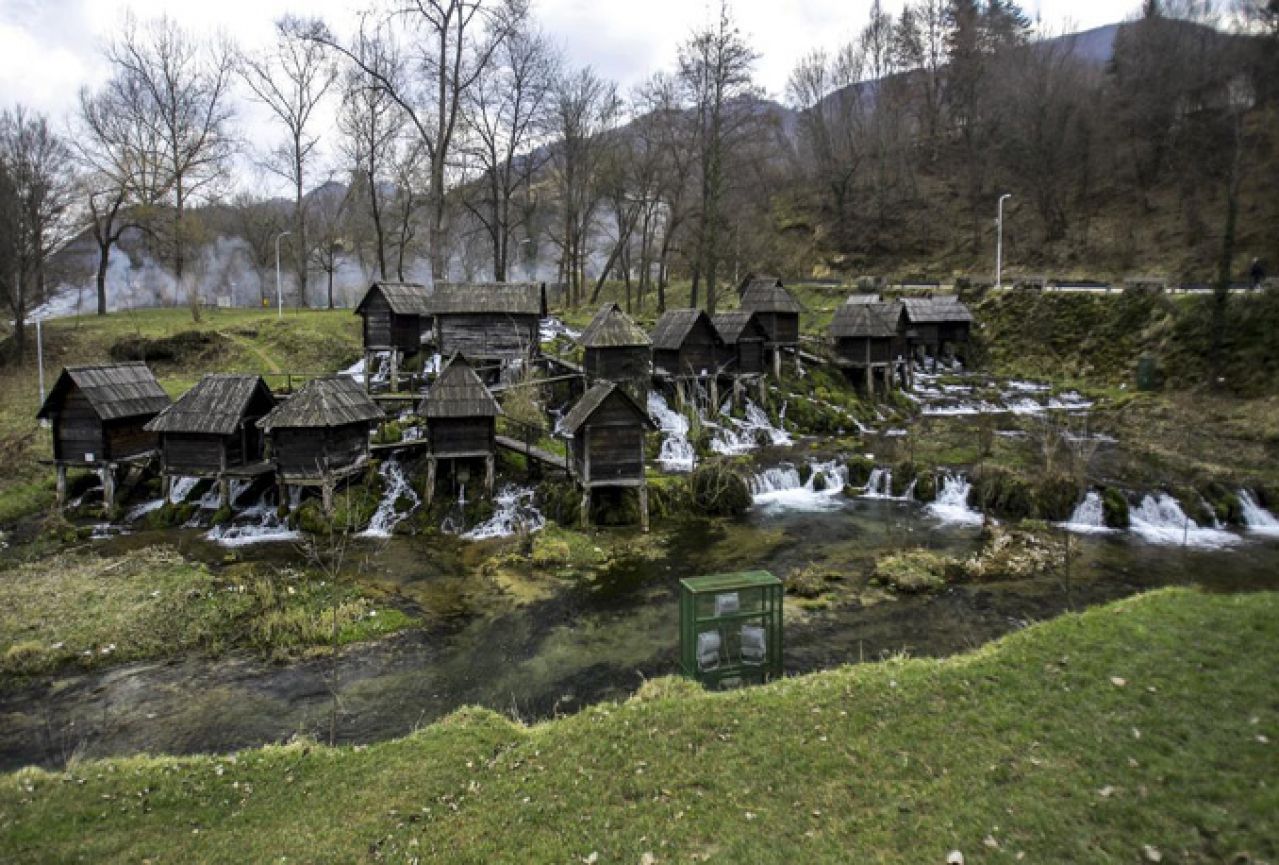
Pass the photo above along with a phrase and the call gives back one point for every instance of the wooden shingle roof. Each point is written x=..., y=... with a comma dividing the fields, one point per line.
x=674, y=327
x=865, y=320
x=119, y=390
x=404, y=298
x=324, y=402
x=935, y=310
x=732, y=325
x=767, y=294
x=612, y=328
x=216, y=405
x=459, y=392
x=510, y=298
x=590, y=402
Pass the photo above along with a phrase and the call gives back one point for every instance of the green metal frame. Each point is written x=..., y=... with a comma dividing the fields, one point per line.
x=759, y=600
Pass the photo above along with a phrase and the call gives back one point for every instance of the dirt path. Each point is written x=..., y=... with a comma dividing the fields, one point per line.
x=243, y=343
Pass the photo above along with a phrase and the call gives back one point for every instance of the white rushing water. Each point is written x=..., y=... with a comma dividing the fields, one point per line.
x=734, y=436
x=780, y=487
x=180, y=488
x=258, y=524
x=951, y=504
x=551, y=327
x=1088, y=518
x=514, y=514
x=381, y=368
x=879, y=485
x=1258, y=520
x=388, y=515
x=137, y=512
x=677, y=453
x=1159, y=519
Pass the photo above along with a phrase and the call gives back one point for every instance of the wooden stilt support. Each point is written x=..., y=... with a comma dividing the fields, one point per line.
x=62, y=486
x=737, y=391
x=490, y=473
x=586, y=507
x=870, y=380
x=368, y=371
x=395, y=370
x=643, y=503
x=282, y=492
x=714, y=383
x=326, y=496
x=166, y=486
x=108, y=486
x=681, y=399
x=777, y=364
x=429, y=493
x=224, y=493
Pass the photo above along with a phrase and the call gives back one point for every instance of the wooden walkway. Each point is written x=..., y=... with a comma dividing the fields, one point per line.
x=553, y=460
x=411, y=444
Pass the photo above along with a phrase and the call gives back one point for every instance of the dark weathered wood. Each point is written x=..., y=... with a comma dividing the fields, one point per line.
x=98, y=413
x=486, y=336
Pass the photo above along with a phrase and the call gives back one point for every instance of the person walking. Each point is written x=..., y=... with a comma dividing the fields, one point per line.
x=1257, y=272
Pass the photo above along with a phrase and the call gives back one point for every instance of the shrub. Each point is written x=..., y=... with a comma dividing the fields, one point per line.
x=998, y=491
x=859, y=469
x=1114, y=508
x=912, y=571
x=809, y=581
x=1224, y=502
x=717, y=490
x=926, y=486
x=1056, y=497
x=903, y=474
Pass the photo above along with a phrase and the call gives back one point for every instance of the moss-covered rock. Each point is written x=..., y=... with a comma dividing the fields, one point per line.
x=1224, y=502
x=1012, y=555
x=926, y=486
x=1114, y=508
x=904, y=473
x=810, y=581
x=717, y=490
x=222, y=516
x=1056, y=497
x=859, y=469
x=996, y=490
x=913, y=571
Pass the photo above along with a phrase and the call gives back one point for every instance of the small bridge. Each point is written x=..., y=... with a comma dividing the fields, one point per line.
x=533, y=452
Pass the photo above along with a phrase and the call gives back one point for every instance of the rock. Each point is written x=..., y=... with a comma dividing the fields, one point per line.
x=1152, y=853
x=955, y=858
x=1118, y=681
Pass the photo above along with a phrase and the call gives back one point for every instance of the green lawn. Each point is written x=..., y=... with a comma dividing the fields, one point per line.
x=1145, y=728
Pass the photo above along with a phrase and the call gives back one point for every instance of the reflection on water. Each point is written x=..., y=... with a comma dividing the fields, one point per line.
x=578, y=641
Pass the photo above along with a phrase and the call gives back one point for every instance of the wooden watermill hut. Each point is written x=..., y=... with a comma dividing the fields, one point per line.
x=461, y=423
x=935, y=325
x=493, y=322
x=395, y=317
x=212, y=432
x=616, y=349
x=320, y=435
x=98, y=415
x=687, y=348
x=777, y=311
x=744, y=339
x=607, y=426
x=866, y=338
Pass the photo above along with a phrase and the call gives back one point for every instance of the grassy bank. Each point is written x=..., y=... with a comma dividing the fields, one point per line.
x=1149, y=722
x=81, y=611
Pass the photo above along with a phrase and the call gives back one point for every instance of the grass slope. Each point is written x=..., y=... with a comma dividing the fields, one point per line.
x=1080, y=740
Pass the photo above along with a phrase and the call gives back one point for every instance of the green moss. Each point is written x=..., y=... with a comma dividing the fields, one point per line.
x=998, y=491
x=926, y=486
x=904, y=473
x=718, y=490
x=1056, y=497
x=1114, y=507
x=912, y=571
x=859, y=469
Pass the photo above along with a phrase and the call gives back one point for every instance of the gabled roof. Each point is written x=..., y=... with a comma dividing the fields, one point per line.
x=871, y=297
x=594, y=398
x=674, y=327
x=118, y=390
x=865, y=320
x=511, y=298
x=769, y=295
x=404, y=298
x=734, y=324
x=763, y=279
x=612, y=328
x=324, y=402
x=216, y=405
x=459, y=392
x=935, y=310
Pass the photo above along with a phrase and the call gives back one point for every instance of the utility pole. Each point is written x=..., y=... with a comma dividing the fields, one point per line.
x=999, y=240
x=279, y=294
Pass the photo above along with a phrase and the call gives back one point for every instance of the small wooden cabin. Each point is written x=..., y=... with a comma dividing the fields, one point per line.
x=99, y=416
x=607, y=426
x=776, y=308
x=616, y=349
x=212, y=432
x=320, y=435
x=487, y=321
x=867, y=337
x=686, y=344
x=744, y=339
x=936, y=324
x=461, y=421
x=395, y=316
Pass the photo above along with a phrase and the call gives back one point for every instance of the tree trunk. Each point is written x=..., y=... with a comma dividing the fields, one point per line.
x=104, y=258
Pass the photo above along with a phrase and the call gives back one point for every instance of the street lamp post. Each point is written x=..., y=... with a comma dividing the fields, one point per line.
x=279, y=293
x=999, y=240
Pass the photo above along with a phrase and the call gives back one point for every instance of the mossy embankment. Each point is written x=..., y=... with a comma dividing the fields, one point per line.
x=1148, y=724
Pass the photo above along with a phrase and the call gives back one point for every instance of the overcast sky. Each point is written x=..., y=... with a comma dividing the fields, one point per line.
x=50, y=48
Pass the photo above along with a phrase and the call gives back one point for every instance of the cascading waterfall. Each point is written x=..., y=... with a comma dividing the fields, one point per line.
x=388, y=516
x=254, y=525
x=1258, y=520
x=780, y=487
x=180, y=488
x=514, y=514
x=1159, y=519
x=677, y=453
x=1089, y=516
x=951, y=504
x=879, y=485
x=454, y=522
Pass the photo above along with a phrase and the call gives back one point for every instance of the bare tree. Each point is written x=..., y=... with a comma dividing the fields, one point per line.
x=715, y=68
x=291, y=79
x=508, y=117
x=121, y=148
x=36, y=197
x=449, y=44
x=186, y=86
x=329, y=236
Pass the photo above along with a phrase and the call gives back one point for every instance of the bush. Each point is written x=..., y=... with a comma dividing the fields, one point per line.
x=1114, y=508
x=926, y=486
x=903, y=474
x=717, y=490
x=1056, y=497
x=809, y=581
x=998, y=491
x=913, y=571
x=859, y=469
x=1224, y=502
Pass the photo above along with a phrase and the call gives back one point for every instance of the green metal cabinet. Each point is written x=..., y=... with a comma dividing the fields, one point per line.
x=731, y=628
